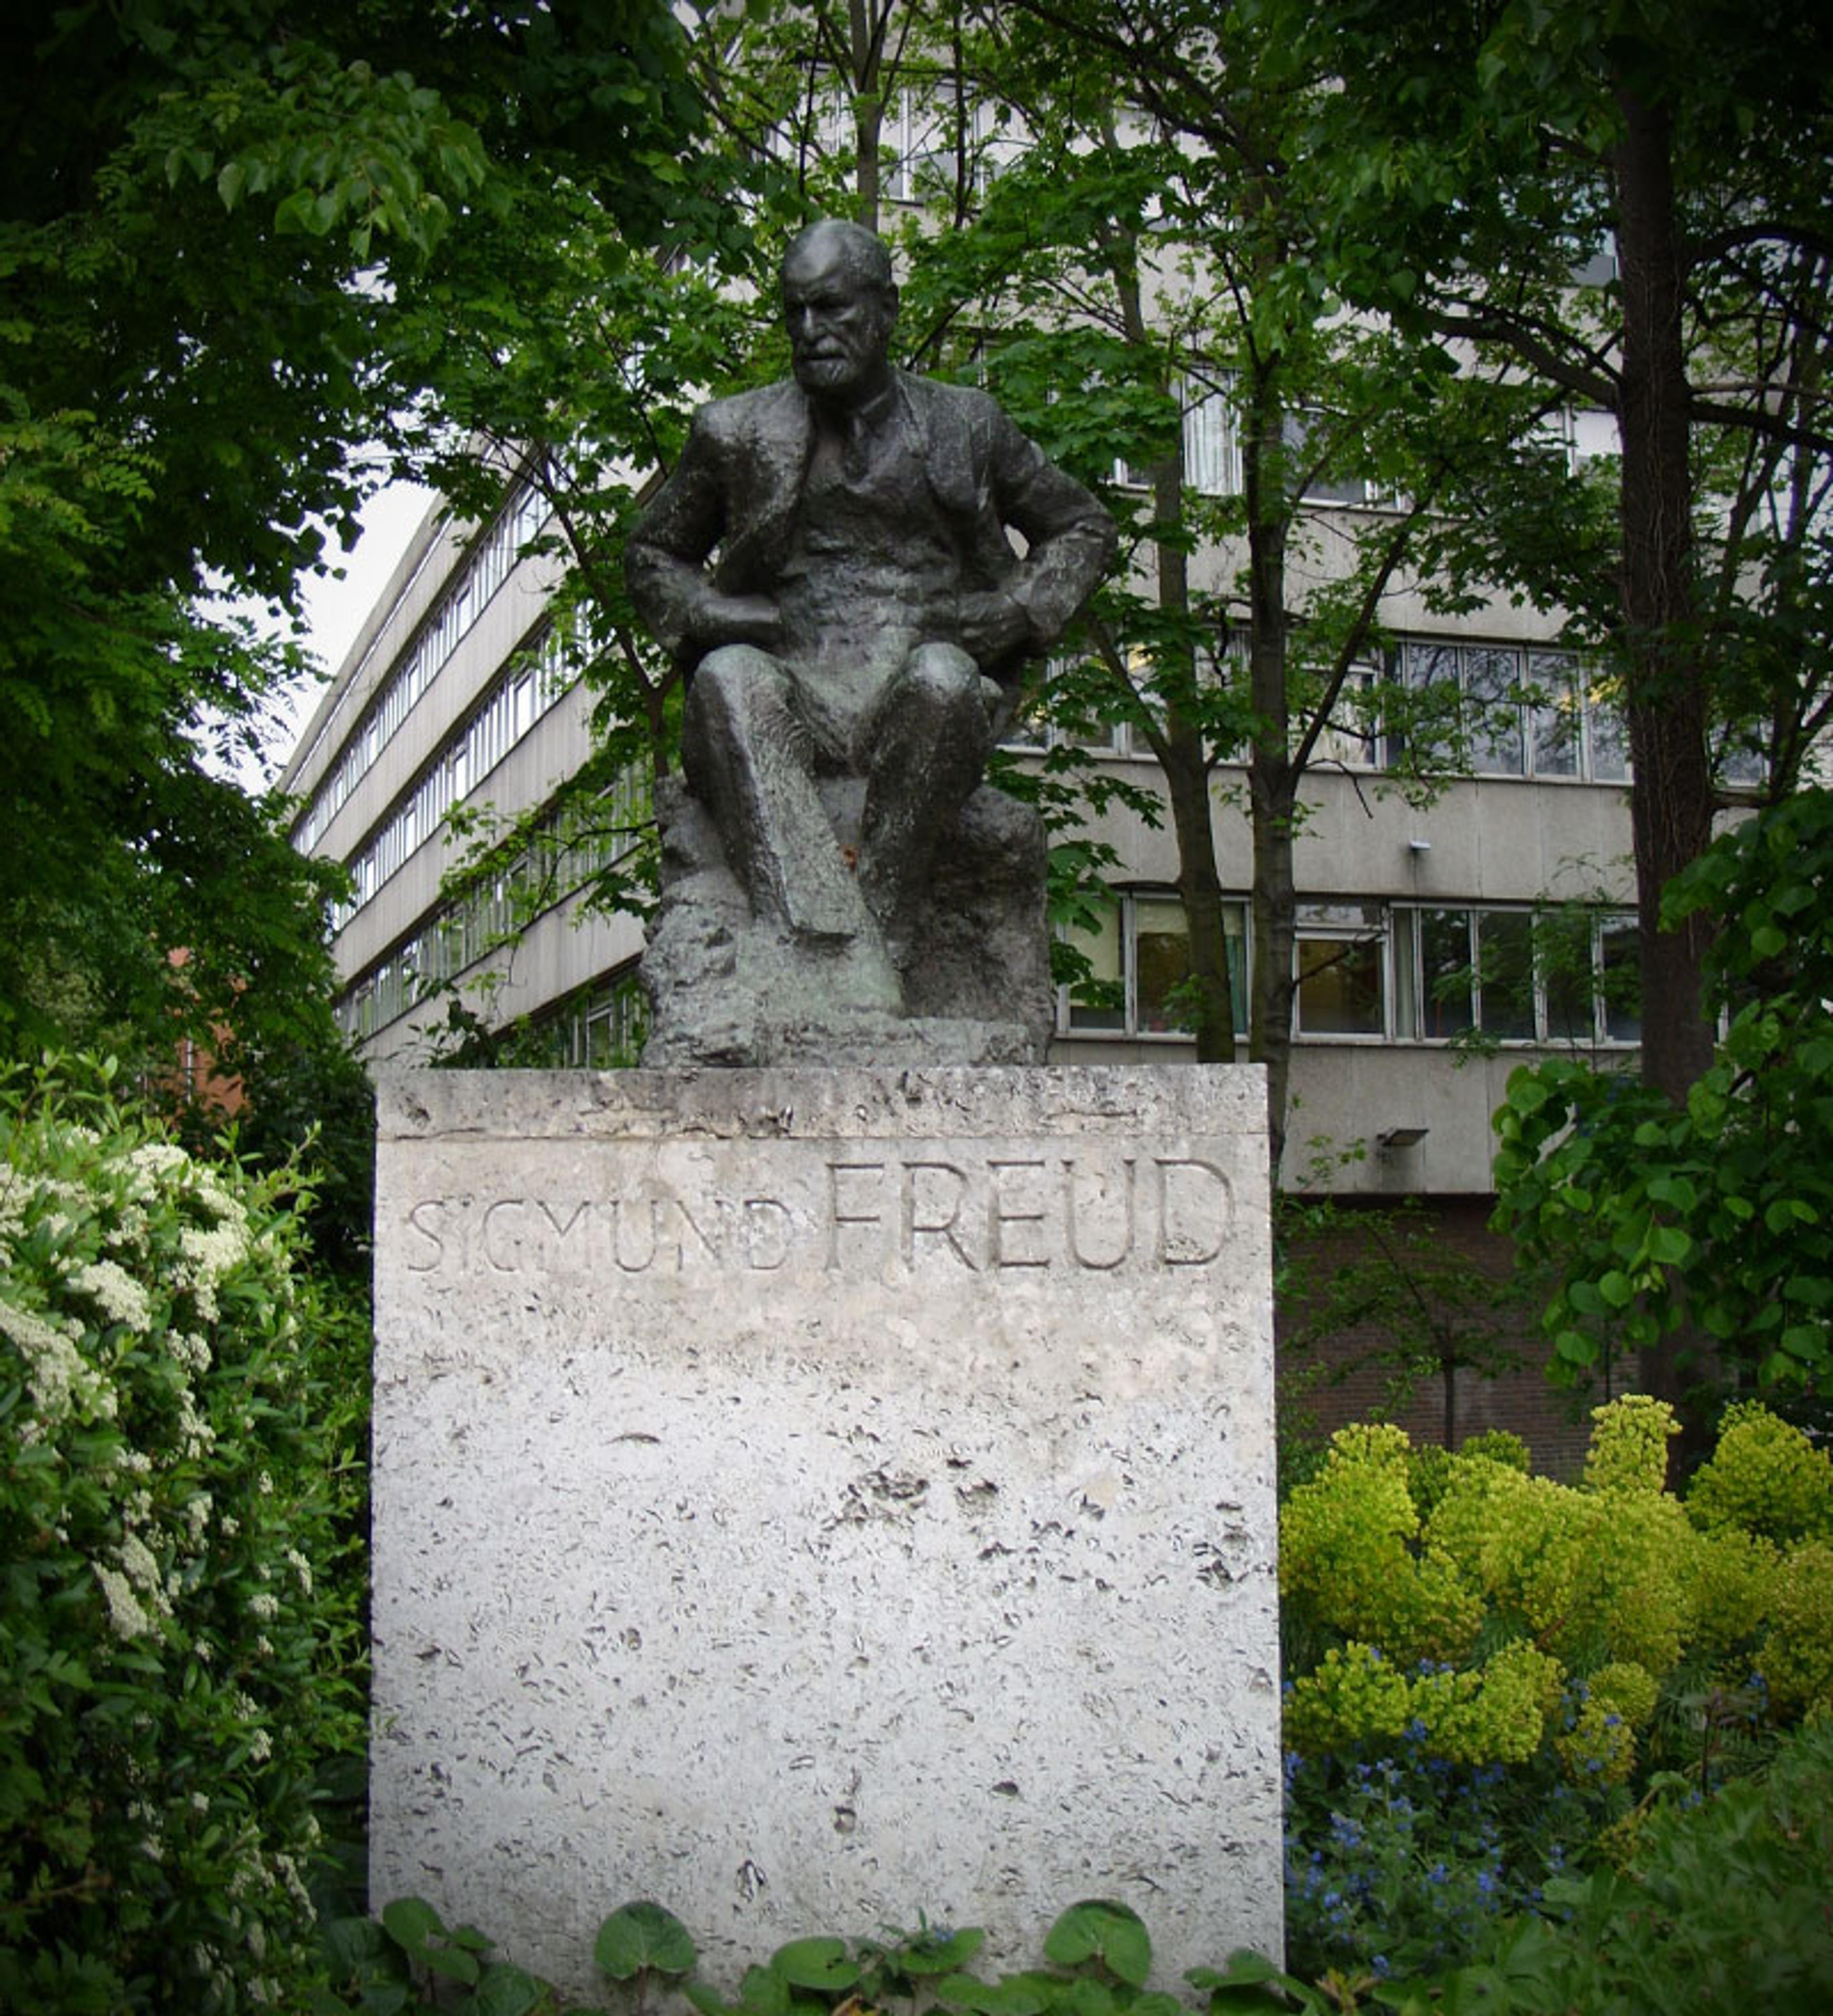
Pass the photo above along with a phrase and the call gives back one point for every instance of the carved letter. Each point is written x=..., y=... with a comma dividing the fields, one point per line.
x=427, y=1233
x=836, y=1216
x=1070, y=1239
x=767, y=1224
x=940, y=1228
x=497, y=1266
x=709, y=1246
x=1193, y=1202
x=998, y=1219
x=620, y=1216
x=561, y=1231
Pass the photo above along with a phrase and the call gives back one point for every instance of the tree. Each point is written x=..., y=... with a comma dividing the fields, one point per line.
x=1405, y=1301
x=1476, y=166
x=1147, y=248
x=1713, y=1217
x=213, y=221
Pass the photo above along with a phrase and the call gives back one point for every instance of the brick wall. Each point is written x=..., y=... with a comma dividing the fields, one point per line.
x=1452, y=1234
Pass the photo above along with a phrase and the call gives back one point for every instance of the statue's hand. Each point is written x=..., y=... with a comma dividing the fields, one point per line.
x=738, y=619
x=992, y=626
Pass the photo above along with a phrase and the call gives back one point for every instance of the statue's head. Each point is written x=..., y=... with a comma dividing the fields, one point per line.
x=841, y=305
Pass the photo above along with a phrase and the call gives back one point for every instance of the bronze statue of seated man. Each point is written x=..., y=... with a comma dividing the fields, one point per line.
x=831, y=560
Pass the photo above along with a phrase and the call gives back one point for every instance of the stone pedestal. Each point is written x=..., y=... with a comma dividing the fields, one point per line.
x=813, y=1498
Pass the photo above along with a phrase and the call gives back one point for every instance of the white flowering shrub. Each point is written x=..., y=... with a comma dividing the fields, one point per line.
x=179, y=1644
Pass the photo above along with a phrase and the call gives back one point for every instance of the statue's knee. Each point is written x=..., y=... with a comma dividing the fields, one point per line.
x=943, y=671
x=732, y=682
x=944, y=683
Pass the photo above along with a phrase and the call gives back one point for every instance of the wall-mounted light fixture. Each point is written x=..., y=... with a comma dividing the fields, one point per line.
x=1393, y=1138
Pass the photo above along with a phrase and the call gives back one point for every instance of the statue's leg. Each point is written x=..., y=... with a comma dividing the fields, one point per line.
x=746, y=754
x=927, y=742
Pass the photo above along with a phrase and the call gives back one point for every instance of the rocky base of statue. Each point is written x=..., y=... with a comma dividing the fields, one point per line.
x=970, y=986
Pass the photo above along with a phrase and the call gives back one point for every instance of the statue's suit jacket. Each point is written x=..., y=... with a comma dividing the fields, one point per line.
x=739, y=479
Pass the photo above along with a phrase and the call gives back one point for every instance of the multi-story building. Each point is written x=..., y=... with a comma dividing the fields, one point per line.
x=457, y=692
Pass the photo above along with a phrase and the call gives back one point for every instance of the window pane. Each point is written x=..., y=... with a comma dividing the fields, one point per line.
x=1340, y=987
x=1446, y=972
x=1610, y=736
x=1622, y=947
x=1026, y=728
x=1162, y=956
x=1100, y=1003
x=1493, y=718
x=1505, y=955
x=1558, y=719
x=1211, y=466
x=1564, y=947
x=1234, y=924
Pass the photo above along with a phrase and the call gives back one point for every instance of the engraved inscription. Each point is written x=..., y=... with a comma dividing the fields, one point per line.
x=931, y=1215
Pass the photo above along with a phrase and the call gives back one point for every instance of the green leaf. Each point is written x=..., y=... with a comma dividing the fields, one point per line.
x=411, y=1921
x=1527, y=1094
x=1617, y=1288
x=1025, y=1994
x=762, y=1992
x=450, y=1962
x=506, y=1991
x=702, y=1996
x=815, y=1963
x=640, y=1936
x=928, y=1955
x=1100, y=1929
x=1669, y=1247
x=1769, y=941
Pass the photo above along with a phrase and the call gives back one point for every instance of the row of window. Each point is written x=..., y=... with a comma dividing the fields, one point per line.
x=1212, y=453
x=1507, y=710
x=1517, y=710
x=509, y=710
x=485, y=570
x=602, y=1028
x=1400, y=973
x=480, y=922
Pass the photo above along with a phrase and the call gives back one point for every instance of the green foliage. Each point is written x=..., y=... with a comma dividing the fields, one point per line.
x=181, y=1648
x=1718, y=1215
x=1607, y=1636
x=1722, y=1906
x=1475, y=1620
x=410, y=1959
x=1765, y=1478
x=218, y=230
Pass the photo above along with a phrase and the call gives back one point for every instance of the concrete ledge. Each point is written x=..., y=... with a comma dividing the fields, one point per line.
x=811, y=1498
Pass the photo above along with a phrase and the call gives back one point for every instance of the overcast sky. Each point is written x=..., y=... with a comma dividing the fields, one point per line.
x=335, y=611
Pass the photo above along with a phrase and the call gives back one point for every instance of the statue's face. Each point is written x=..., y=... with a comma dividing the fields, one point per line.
x=839, y=320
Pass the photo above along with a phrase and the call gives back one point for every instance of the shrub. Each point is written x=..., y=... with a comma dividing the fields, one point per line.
x=178, y=1652
x=1722, y=1906
x=1765, y=1478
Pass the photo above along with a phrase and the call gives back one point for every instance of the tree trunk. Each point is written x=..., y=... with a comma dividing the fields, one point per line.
x=1272, y=780
x=1671, y=804
x=867, y=80
x=1184, y=757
